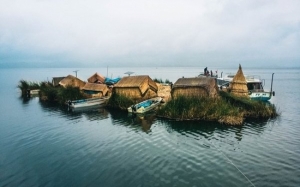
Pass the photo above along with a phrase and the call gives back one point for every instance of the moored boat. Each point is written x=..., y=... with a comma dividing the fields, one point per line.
x=255, y=86
x=99, y=101
x=145, y=106
x=34, y=92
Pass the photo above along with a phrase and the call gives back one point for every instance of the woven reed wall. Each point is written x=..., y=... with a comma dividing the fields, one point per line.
x=190, y=92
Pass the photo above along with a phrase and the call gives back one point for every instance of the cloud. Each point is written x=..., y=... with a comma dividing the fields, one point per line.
x=160, y=32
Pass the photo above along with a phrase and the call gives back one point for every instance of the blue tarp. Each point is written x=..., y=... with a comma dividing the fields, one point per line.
x=111, y=81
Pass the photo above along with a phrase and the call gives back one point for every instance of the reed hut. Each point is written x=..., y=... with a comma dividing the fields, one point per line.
x=97, y=78
x=56, y=80
x=70, y=80
x=195, y=87
x=136, y=87
x=238, y=85
x=95, y=90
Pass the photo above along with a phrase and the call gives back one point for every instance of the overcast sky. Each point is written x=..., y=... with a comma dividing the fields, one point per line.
x=93, y=33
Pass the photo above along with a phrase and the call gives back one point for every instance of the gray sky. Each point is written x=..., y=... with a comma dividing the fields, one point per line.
x=93, y=33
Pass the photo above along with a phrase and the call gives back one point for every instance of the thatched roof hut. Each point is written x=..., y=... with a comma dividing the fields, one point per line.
x=95, y=90
x=136, y=87
x=96, y=78
x=70, y=80
x=195, y=87
x=56, y=80
x=238, y=85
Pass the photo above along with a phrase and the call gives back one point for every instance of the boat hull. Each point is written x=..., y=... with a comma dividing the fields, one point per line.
x=143, y=107
x=88, y=102
x=261, y=96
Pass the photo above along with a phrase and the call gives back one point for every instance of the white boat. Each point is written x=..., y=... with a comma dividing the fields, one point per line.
x=99, y=101
x=145, y=106
x=34, y=92
x=255, y=86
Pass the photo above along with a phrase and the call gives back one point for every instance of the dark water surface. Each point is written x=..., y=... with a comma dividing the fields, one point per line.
x=44, y=145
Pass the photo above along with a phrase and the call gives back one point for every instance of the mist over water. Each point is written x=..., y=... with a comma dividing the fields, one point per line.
x=46, y=145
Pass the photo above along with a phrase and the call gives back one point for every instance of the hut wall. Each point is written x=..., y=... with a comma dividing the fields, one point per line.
x=135, y=93
x=144, y=86
x=239, y=89
x=128, y=92
x=95, y=94
x=213, y=89
x=149, y=94
x=152, y=85
x=190, y=92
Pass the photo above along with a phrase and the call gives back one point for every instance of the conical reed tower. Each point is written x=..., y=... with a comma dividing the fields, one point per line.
x=238, y=86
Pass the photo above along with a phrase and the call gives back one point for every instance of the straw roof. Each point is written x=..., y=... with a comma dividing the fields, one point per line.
x=56, y=80
x=136, y=87
x=195, y=86
x=137, y=82
x=96, y=78
x=70, y=80
x=238, y=85
x=96, y=87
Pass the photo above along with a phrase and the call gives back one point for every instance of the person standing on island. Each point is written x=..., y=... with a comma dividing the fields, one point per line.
x=205, y=71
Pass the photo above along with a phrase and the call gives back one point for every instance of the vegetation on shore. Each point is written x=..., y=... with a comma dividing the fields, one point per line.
x=251, y=108
x=119, y=102
x=60, y=94
x=50, y=93
x=226, y=109
x=27, y=85
x=161, y=81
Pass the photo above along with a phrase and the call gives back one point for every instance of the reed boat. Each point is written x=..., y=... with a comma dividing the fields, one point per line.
x=145, y=106
x=255, y=86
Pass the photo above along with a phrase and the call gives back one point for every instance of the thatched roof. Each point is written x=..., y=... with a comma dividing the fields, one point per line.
x=96, y=87
x=194, y=82
x=137, y=82
x=72, y=81
x=238, y=85
x=56, y=80
x=96, y=78
x=205, y=83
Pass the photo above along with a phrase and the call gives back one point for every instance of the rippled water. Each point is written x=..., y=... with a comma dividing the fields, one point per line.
x=44, y=145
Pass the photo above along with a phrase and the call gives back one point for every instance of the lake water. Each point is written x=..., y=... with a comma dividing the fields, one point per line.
x=45, y=145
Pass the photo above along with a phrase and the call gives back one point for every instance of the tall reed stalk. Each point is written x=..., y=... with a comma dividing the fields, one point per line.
x=27, y=85
x=119, y=101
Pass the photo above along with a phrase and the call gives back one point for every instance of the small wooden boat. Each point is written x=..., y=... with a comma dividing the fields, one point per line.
x=34, y=92
x=145, y=106
x=99, y=101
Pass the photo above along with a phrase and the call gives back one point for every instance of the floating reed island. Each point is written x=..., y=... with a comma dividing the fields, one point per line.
x=197, y=98
x=226, y=109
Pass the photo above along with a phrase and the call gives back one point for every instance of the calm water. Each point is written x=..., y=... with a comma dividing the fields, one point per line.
x=44, y=145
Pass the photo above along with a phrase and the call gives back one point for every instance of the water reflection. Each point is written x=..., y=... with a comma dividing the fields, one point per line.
x=90, y=113
x=48, y=106
x=215, y=130
x=141, y=122
x=144, y=122
x=25, y=100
